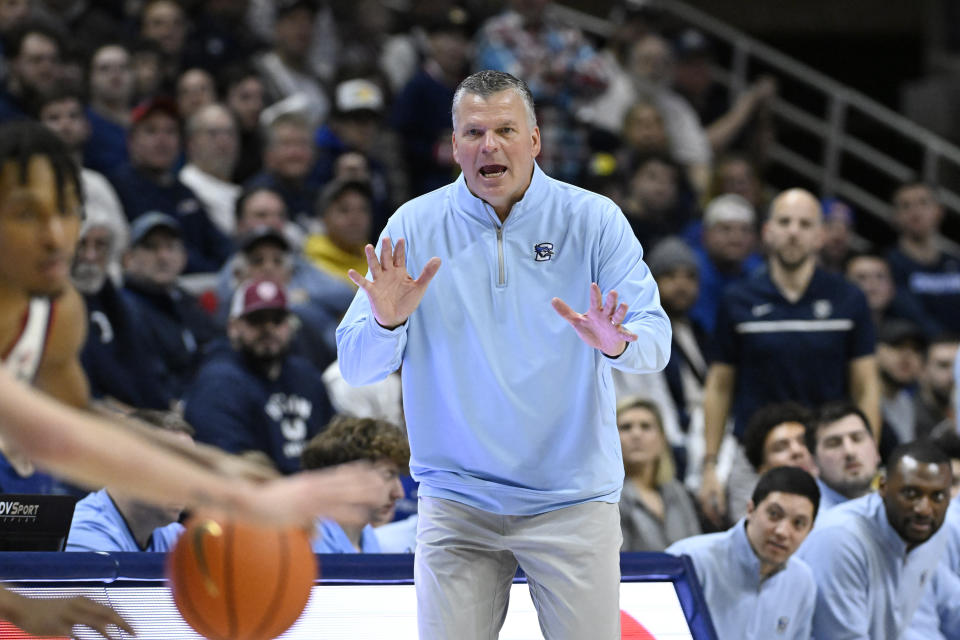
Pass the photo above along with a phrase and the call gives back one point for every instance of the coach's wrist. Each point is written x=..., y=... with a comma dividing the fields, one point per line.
x=618, y=350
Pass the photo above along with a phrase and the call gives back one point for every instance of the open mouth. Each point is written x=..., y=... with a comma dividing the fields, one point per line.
x=492, y=170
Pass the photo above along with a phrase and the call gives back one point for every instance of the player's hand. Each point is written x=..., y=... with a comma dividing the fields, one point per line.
x=45, y=617
x=228, y=465
x=249, y=465
x=600, y=327
x=712, y=497
x=349, y=493
x=393, y=293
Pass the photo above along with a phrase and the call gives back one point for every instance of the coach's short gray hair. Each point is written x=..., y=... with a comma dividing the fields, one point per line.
x=486, y=83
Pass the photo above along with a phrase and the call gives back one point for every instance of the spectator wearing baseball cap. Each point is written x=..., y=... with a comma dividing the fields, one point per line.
x=267, y=249
x=148, y=182
x=277, y=400
x=175, y=325
x=901, y=348
x=265, y=253
x=357, y=126
x=116, y=357
x=727, y=253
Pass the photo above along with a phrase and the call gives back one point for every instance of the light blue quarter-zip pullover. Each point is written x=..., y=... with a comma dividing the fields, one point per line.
x=507, y=409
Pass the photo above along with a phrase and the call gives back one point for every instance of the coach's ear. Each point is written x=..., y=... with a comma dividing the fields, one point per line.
x=882, y=484
x=750, y=507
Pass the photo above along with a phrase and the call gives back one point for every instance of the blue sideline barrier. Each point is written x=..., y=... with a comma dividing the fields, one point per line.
x=58, y=573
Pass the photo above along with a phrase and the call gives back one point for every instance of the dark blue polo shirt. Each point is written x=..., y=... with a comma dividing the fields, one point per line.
x=785, y=350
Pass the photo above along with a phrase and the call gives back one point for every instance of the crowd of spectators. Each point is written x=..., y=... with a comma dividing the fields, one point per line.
x=236, y=157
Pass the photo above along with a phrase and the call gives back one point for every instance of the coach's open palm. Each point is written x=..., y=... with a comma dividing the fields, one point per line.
x=393, y=293
x=600, y=326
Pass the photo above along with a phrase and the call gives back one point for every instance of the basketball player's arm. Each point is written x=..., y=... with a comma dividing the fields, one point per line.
x=865, y=390
x=717, y=398
x=250, y=467
x=57, y=617
x=96, y=452
x=60, y=373
x=62, y=376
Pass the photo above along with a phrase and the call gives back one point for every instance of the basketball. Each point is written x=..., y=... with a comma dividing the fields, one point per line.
x=235, y=581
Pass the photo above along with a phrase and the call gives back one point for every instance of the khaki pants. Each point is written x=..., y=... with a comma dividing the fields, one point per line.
x=466, y=560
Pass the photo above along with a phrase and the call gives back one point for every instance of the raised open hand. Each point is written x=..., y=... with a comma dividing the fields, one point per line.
x=600, y=326
x=393, y=293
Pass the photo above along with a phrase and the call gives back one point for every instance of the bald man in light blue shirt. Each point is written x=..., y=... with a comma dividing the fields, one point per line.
x=754, y=588
x=927, y=623
x=872, y=557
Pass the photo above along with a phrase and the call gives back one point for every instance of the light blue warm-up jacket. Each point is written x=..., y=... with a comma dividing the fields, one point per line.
x=507, y=409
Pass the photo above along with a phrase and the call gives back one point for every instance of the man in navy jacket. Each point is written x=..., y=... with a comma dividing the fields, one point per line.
x=149, y=183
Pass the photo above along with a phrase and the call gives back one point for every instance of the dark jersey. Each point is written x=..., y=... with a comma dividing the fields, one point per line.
x=935, y=286
x=784, y=350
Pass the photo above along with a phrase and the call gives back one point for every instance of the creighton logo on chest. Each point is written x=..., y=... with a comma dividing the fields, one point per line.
x=543, y=251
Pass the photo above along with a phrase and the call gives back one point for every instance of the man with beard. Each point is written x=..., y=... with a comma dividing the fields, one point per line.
x=934, y=410
x=873, y=557
x=276, y=401
x=115, y=356
x=844, y=451
x=900, y=350
x=33, y=54
x=791, y=331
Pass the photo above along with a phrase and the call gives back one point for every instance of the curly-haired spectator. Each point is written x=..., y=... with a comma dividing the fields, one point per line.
x=774, y=437
x=347, y=439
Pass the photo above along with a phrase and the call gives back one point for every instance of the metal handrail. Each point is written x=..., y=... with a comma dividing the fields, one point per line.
x=831, y=130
